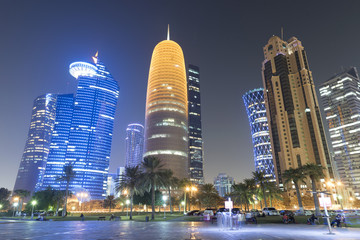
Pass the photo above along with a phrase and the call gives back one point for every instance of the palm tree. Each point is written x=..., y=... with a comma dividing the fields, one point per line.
x=58, y=197
x=130, y=181
x=261, y=180
x=109, y=202
x=239, y=194
x=68, y=176
x=208, y=195
x=315, y=173
x=21, y=194
x=295, y=176
x=184, y=183
x=153, y=178
x=170, y=182
x=250, y=185
x=273, y=191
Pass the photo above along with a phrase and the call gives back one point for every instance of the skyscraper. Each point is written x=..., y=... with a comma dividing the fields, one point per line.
x=134, y=144
x=37, y=145
x=195, y=130
x=340, y=96
x=58, y=145
x=223, y=184
x=296, y=128
x=166, y=118
x=255, y=108
x=91, y=128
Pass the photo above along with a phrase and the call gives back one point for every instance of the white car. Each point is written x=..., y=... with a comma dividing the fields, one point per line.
x=270, y=211
x=306, y=213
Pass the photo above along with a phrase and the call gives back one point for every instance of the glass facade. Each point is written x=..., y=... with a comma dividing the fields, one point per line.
x=91, y=128
x=255, y=108
x=340, y=96
x=134, y=144
x=166, y=117
x=223, y=184
x=58, y=145
x=37, y=145
x=195, y=130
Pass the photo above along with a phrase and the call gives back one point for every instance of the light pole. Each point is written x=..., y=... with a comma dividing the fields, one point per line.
x=15, y=205
x=183, y=204
x=127, y=207
x=1, y=206
x=33, y=203
x=193, y=189
x=164, y=199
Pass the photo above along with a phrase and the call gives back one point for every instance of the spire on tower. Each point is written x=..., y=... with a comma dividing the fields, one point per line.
x=95, y=58
x=168, y=33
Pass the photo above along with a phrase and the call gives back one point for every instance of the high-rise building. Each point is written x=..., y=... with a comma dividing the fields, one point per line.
x=223, y=184
x=293, y=114
x=340, y=96
x=91, y=128
x=37, y=145
x=195, y=131
x=255, y=108
x=166, y=118
x=134, y=144
x=58, y=145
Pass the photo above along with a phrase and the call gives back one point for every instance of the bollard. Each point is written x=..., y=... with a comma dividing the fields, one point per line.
x=146, y=218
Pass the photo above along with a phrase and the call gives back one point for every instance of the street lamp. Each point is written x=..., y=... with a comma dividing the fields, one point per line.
x=164, y=199
x=33, y=203
x=127, y=207
x=1, y=206
x=15, y=205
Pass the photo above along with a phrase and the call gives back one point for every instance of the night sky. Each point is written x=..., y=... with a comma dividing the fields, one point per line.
x=38, y=41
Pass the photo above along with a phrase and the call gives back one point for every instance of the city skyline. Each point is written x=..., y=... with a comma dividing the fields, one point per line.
x=235, y=45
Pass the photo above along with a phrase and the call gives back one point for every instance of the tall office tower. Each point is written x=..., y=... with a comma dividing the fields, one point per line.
x=223, y=184
x=134, y=144
x=91, y=129
x=340, y=96
x=195, y=130
x=296, y=129
x=37, y=145
x=58, y=145
x=166, y=118
x=255, y=108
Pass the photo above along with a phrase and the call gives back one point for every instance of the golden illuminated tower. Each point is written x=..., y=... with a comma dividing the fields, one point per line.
x=166, y=121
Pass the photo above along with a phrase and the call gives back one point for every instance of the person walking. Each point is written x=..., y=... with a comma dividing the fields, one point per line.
x=337, y=220
x=82, y=217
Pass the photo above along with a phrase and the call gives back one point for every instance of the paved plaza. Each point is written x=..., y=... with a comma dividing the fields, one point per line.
x=163, y=230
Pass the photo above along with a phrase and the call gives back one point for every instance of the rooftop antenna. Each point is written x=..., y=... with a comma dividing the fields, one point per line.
x=282, y=33
x=95, y=58
x=168, y=33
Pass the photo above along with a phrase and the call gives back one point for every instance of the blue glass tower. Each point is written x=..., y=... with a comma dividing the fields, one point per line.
x=37, y=145
x=91, y=129
x=255, y=108
x=134, y=144
x=195, y=130
x=58, y=145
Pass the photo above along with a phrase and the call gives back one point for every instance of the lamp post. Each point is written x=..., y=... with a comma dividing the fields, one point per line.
x=127, y=207
x=1, y=206
x=164, y=205
x=183, y=204
x=186, y=190
x=193, y=189
x=15, y=205
x=33, y=203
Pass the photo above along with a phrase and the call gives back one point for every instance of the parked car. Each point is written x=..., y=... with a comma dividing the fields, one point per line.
x=192, y=213
x=270, y=211
x=305, y=213
x=256, y=212
x=209, y=212
x=234, y=210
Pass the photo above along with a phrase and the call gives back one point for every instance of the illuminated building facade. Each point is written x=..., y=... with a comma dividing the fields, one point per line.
x=58, y=145
x=340, y=96
x=134, y=144
x=195, y=130
x=295, y=125
x=166, y=117
x=223, y=184
x=37, y=145
x=91, y=128
x=255, y=108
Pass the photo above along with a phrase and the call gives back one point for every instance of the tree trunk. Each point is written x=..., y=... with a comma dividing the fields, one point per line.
x=298, y=195
x=270, y=199
x=152, y=201
x=264, y=195
x=66, y=197
x=57, y=208
x=171, y=210
x=316, y=200
x=131, y=205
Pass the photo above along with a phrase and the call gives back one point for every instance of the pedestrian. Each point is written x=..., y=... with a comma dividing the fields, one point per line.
x=311, y=220
x=337, y=220
x=82, y=217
